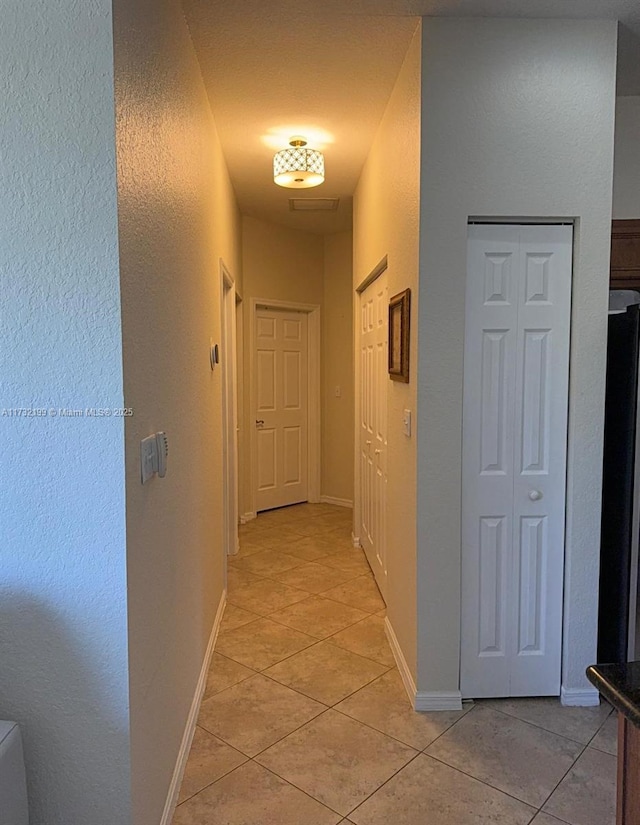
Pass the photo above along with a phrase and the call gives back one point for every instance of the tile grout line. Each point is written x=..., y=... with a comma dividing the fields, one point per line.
x=419, y=752
x=303, y=563
x=309, y=647
x=371, y=727
x=539, y=727
x=582, y=752
x=321, y=595
x=330, y=707
x=317, y=716
x=320, y=713
x=315, y=643
x=344, y=816
x=266, y=577
x=322, y=638
x=488, y=784
x=296, y=587
x=226, y=773
x=380, y=787
x=252, y=759
x=253, y=536
x=482, y=781
x=325, y=708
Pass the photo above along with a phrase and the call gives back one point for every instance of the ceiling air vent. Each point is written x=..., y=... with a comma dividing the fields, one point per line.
x=313, y=204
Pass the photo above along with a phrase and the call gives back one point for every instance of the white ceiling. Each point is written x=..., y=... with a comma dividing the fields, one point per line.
x=275, y=68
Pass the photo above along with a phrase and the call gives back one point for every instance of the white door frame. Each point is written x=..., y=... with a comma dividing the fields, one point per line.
x=229, y=410
x=313, y=376
x=375, y=273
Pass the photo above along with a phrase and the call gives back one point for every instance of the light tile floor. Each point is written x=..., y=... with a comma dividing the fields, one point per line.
x=305, y=720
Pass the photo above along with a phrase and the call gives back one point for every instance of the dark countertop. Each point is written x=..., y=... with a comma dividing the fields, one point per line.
x=620, y=686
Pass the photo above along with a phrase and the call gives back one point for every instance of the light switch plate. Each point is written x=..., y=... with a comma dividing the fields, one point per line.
x=406, y=423
x=148, y=458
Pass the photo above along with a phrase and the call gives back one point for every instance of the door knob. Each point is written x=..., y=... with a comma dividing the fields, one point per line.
x=259, y=422
x=535, y=495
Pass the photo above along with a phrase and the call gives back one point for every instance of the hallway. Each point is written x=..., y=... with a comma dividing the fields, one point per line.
x=305, y=718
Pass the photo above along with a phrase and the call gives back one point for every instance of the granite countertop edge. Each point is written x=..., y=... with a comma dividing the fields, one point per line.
x=617, y=685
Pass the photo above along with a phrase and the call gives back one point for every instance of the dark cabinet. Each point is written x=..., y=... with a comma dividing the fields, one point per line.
x=625, y=254
x=620, y=686
x=628, y=812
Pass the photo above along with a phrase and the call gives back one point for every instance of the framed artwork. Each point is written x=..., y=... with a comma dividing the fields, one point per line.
x=399, y=324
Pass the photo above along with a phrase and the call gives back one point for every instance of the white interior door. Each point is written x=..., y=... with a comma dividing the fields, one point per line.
x=374, y=308
x=281, y=414
x=516, y=371
x=229, y=413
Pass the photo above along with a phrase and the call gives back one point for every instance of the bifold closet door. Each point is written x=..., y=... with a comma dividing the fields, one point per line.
x=516, y=369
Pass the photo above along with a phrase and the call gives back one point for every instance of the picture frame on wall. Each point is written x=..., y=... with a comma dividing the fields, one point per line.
x=399, y=327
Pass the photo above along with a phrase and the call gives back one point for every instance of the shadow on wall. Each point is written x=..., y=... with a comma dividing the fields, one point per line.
x=71, y=729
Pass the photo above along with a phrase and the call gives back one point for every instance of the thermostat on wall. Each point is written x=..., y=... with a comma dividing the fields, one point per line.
x=214, y=354
x=153, y=456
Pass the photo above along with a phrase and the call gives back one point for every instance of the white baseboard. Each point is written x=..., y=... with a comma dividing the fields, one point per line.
x=438, y=700
x=403, y=667
x=579, y=697
x=421, y=700
x=340, y=502
x=247, y=517
x=190, y=727
x=355, y=540
x=236, y=547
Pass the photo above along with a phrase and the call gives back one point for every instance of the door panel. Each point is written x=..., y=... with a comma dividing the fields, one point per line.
x=535, y=409
x=493, y=433
x=514, y=459
x=532, y=578
x=293, y=377
x=266, y=377
x=266, y=459
x=493, y=583
x=374, y=303
x=292, y=456
x=281, y=408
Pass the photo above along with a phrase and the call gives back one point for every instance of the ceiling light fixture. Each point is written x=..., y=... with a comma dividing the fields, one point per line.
x=297, y=167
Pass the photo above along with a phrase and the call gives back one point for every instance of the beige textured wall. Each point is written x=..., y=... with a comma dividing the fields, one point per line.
x=177, y=217
x=337, y=368
x=626, y=165
x=386, y=216
x=63, y=608
x=284, y=265
x=281, y=263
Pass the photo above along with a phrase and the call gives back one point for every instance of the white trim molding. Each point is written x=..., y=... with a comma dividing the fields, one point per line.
x=438, y=700
x=356, y=541
x=230, y=465
x=192, y=718
x=339, y=502
x=579, y=697
x=403, y=667
x=421, y=700
x=247, y=517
